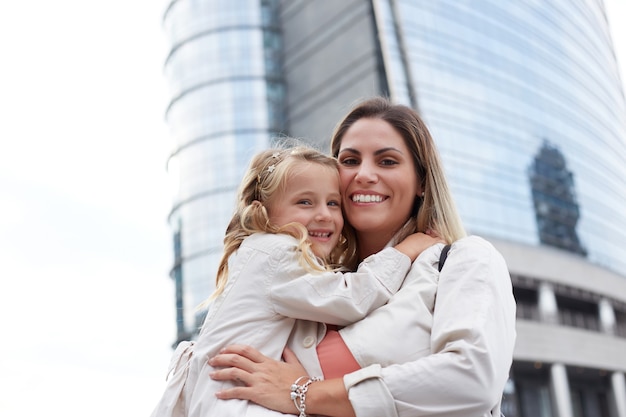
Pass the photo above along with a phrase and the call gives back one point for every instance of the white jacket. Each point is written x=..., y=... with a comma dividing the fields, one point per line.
x=443, y=345
x=267, y=291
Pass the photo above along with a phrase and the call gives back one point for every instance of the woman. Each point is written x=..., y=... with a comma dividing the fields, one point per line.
x=443, y=345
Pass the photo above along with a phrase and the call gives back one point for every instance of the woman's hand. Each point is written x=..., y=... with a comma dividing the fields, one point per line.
x=267, y=381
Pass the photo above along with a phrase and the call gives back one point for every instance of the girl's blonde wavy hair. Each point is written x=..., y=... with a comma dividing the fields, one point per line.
x=267, y=175
x=436, y=211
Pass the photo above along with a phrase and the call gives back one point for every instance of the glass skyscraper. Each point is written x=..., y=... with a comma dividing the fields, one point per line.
x=226, y=103
x=526, y=106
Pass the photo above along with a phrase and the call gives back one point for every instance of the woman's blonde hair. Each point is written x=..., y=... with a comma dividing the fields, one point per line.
x=268, y=173
x=436, y=211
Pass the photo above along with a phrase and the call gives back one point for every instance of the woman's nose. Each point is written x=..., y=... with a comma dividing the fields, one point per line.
x=366, y=173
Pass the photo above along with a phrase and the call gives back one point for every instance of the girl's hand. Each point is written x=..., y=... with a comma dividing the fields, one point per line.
x=413, y=245
x=267, y=381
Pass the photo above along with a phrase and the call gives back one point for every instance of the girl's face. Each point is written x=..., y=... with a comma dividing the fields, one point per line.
x=378, y=178
x=312, y=199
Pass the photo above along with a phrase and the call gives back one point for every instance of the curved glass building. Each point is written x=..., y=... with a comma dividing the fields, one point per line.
x=526, y=105
x=500, y=81
x=226, y=103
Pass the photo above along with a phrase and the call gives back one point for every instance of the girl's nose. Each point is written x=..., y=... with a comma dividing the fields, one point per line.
x=323, y=214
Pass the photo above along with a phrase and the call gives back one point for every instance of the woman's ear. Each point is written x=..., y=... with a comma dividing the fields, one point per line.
x=417, y=204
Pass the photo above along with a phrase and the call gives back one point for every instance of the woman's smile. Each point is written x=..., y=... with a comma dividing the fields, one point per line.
x=367, y=198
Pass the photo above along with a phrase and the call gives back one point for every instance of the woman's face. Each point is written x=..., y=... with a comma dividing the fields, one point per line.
x=378, y=178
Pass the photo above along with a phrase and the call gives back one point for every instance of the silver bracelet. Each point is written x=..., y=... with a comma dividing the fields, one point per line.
x=298, y=393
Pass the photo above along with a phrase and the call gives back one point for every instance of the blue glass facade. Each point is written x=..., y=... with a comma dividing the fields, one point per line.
x=495, y=80
x=227, y=103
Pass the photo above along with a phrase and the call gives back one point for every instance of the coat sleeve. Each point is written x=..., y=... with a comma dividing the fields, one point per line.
x=172, y=403
x=336, y=297
x=472, y=340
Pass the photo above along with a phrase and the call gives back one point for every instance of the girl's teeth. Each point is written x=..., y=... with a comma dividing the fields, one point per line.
x=320, y=234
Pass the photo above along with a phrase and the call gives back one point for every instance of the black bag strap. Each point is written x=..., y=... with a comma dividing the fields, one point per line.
x=443, y=256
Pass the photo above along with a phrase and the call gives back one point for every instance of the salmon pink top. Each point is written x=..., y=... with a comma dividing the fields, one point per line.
x=335, y=358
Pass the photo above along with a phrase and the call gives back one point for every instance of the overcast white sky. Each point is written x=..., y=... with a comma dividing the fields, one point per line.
x=86, y=305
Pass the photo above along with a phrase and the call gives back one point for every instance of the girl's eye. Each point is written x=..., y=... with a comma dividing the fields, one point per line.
x=334, y=203
x=305, y=202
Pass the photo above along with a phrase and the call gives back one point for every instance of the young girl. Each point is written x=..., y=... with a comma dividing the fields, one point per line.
x=278, y=271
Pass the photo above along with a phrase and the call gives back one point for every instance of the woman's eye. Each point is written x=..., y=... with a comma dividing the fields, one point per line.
x=349, y=161
x=388, y=162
